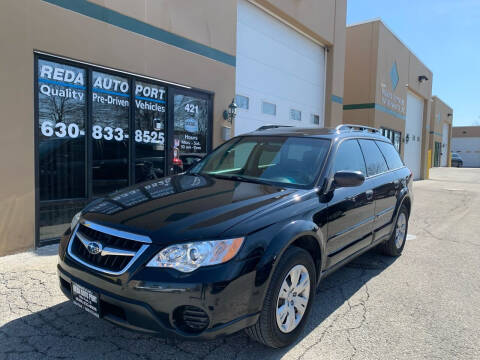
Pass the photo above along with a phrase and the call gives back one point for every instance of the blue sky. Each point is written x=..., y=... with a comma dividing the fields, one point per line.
x=445, y=35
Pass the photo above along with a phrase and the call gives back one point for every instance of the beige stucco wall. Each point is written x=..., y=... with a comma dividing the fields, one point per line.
x=208, y=24
x=371, y=51
x=336, y=67
x=465, y=131
x=360, y=67
x=439, y=115
x=28, y=25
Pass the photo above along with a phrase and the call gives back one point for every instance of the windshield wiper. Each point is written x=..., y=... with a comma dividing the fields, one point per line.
x=240, y=178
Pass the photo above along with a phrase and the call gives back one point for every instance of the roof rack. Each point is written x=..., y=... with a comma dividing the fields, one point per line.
x=272, y=126
x=352, y=127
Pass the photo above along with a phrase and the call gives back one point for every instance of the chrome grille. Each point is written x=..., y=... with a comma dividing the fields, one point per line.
x=106, y=249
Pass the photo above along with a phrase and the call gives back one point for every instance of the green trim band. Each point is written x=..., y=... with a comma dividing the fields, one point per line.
x=337, y=99
x=359, y=106
x=112, y=17
x=374, y=106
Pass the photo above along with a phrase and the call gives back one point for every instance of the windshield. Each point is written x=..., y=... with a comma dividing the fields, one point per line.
x=266, y=159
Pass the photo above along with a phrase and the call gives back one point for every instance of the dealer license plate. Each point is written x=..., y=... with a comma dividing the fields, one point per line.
x=86, y=299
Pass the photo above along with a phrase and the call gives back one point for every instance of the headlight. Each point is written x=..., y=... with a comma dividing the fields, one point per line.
x=190, y=256
x=75, y=220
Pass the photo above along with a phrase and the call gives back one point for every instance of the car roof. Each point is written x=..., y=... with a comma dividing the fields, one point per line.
x=325, y=133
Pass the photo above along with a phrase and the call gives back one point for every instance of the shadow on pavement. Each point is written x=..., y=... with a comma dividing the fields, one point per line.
x=65, y=331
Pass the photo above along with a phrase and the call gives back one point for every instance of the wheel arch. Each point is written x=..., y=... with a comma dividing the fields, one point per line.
x=407, y=202
x=310, y=244
x=301, y=233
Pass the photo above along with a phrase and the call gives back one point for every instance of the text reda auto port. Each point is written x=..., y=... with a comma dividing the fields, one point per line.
x=66, y=77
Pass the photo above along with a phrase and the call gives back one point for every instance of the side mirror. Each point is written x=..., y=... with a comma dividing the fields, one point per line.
x=348, y=179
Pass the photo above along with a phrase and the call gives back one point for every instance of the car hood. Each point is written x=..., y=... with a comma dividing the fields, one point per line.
x=184, y=207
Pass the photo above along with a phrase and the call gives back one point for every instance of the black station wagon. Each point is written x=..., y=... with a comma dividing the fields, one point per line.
x=242, y=239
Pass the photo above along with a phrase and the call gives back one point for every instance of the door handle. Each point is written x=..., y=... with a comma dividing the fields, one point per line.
x=369, y=194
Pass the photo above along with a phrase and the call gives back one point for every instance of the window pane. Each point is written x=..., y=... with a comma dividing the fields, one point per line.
x=315, y=119
x=349, y=157
x=269, y=109
x=390, y=154
x=295, y=115
x=61, y=147
x=375, y=162
x=61, y=123
x=397, y=140
x=242, y=102
x=150, y=115
x=110, y=132
x=190, y=130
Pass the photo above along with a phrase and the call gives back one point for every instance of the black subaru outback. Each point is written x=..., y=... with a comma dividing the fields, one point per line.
x=243, y=238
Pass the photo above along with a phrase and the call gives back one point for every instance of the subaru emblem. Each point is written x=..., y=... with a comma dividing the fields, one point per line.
x=94, y=248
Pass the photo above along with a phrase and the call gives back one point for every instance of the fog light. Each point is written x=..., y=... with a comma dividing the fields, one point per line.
x=191, y=319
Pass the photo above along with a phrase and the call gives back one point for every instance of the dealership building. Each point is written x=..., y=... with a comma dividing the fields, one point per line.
x=466, y=143
x=99, y=95
x=440, y=131
x=388, y=87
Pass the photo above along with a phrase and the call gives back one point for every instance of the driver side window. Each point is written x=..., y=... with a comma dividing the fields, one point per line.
x=349, y=157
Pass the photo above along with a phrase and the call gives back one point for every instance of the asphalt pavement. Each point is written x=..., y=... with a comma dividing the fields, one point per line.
x=422, y=305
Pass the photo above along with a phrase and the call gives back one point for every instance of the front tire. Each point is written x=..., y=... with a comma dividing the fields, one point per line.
x=394, y=246
x=288, y=300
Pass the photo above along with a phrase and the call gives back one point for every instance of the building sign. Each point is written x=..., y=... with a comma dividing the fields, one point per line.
x=150, y=119
x=389, y=99
x=110, y=132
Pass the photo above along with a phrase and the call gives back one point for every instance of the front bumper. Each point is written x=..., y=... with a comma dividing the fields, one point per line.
x=137, y=301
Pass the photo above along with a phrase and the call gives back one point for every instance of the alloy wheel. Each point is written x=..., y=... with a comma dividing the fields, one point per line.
x=293, y=298
x=400, y=230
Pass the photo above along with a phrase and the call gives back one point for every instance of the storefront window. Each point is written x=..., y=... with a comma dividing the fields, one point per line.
x=61, y=122
x=190, y=131
x=394, y=136
x=100, y=131
x=61, y=113
x=110, y=132
x=150, y=115
x=397, y=140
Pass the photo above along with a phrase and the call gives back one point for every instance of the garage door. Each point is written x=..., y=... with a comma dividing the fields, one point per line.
x=443, y=161
x=413, y=129
x=280, y=73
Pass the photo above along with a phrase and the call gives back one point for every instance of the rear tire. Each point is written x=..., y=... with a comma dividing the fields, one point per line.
x=271, y=329
x=394, y=246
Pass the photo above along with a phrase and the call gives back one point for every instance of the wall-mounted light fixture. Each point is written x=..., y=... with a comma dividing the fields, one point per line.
x=422, y=79
x=407, y=138
x=449, y=114
x=231, y=113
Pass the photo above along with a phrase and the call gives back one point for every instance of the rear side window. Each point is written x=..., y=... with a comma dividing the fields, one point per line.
x=349, y=157
x=373, y=157
x=390, y=154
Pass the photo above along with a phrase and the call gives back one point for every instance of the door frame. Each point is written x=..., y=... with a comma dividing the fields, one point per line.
x=437, y=155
